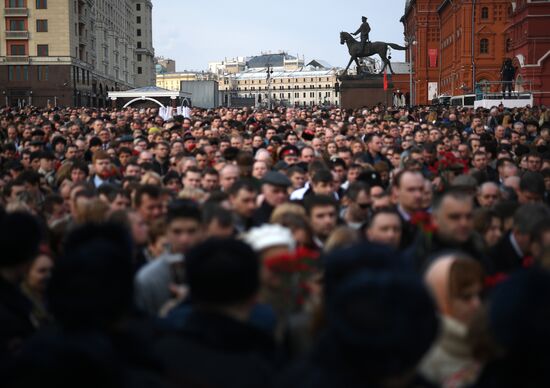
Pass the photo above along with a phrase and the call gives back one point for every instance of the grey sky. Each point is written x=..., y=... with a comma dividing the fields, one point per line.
x=197, y=32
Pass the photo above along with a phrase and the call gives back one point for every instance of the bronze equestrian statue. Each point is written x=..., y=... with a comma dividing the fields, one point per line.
x=364, y=30
x=356, y=50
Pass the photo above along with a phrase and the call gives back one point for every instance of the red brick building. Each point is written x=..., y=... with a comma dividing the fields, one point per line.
x=462, y=42
x=527, y=41
x=421, y=22
x=473, y=45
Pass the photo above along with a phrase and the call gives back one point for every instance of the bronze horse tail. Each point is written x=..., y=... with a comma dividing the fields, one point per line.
x=396, y=46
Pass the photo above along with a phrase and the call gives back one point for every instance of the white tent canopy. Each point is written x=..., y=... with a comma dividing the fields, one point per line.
x=150, y=93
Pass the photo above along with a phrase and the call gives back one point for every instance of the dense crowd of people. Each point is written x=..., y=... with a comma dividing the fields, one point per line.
x=319, y=247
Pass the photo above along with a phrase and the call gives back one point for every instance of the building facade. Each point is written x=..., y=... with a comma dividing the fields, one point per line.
x=422, y=34
x=145, y=54
x=279, y=79
x=472, y=44
x=458, y=45
x=172, y=81
x=164, y=65
x=69, y=52
x=527, y=41
x=455, y=45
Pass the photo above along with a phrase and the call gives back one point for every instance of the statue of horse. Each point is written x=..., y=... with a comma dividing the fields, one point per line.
x=356, y=50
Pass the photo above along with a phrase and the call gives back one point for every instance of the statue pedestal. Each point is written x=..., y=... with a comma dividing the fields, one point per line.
x=365, y=91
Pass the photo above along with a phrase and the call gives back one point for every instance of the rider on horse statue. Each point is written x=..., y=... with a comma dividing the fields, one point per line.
x=364, y=29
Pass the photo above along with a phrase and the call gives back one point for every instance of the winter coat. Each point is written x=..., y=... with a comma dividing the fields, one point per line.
x=213, y=350
x=16, y=321
x=427, y=247
x=450, y=363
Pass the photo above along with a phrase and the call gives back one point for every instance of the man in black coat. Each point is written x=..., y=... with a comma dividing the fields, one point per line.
x=513, y=250
x=216, y=347
x=274, y=192
x=408, y=189
x=374, y=150
x=20, y=235
x=453, y=230
x=507, y=73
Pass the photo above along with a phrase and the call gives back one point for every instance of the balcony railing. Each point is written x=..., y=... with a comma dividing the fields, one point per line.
x=17, y=59
x=16, y=12
x=17, y=34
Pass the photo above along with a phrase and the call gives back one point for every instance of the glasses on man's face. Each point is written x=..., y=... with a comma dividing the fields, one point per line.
x=364, y=206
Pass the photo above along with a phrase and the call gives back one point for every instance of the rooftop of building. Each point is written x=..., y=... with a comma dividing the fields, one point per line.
x=319, y=63
x=280, y=72
x=273, y=60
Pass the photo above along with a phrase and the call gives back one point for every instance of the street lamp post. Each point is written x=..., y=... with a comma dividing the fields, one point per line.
x=410, y=43
x=269, y=72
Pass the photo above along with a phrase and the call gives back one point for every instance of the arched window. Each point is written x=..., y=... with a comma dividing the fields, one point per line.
x=485, y=13
x=484, y=46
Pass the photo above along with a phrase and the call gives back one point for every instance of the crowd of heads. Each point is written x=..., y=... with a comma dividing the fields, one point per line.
x=384, y=247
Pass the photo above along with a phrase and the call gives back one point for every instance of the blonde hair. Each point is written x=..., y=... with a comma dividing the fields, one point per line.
x=18, y=206
x=145, y=179
x=94, y=211
x=281, y=211
x=341, y=237
x=194, y=194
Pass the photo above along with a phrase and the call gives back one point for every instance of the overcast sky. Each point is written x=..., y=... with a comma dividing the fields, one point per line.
x=197, y=32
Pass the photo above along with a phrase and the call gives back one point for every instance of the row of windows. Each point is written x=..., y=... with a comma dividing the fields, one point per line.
x=498, y=11
x=297, y=95
x=281, y=88
x=483, y=45
x=21, y=73
x=19, y=25
x=42, y=50
x=40, y=4
x=288, y=80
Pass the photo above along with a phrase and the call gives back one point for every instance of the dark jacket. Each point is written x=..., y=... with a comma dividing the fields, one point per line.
x=213, y=350
x=427, y=247
x=16, y=323
x=327, y=366
x=503, y=256
x=86, y=358
x=512, y=372
x=262, y=214
x=161, y=168
x=370, y=159
x=492, y=174
x=508, y=71
x=408, y=233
